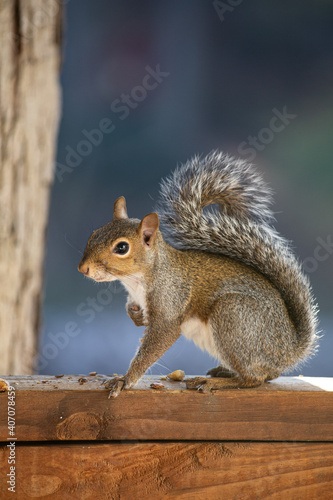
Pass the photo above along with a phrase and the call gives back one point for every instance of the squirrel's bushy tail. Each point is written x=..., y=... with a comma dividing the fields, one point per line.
x=240, y=229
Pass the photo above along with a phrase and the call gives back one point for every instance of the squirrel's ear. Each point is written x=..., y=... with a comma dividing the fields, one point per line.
x=148, y=228
x=119, y=209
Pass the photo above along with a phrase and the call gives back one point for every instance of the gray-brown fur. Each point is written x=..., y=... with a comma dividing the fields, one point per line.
x=228, y=281
x=242, y=232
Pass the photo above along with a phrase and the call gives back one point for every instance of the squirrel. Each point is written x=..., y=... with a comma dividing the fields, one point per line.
x=221, y=276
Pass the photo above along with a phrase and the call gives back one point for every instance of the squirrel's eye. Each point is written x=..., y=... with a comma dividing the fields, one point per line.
x=121, y=248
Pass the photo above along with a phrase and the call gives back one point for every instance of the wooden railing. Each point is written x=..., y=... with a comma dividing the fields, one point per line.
x=68, y=440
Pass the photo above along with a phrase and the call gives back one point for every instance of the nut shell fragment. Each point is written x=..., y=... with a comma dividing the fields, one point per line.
x=157, y=385
x=177, y=375
x=4, y=385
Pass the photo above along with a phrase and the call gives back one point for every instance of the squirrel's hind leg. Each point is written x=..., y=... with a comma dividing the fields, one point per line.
x=245, y=331
x=217, y=383
x=220, y=371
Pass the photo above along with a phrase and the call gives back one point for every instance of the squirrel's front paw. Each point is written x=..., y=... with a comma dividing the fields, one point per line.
x=136, y=314
x=116, y=385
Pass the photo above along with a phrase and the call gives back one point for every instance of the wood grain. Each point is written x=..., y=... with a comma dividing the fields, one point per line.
x=63, y=409
x=191, y=471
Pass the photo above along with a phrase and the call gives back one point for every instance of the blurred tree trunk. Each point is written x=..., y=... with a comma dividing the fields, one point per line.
x=30, y=39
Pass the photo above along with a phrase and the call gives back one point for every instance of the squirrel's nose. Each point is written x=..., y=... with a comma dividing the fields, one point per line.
x=83, y=268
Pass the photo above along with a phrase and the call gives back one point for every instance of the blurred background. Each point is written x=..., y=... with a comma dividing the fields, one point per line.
x=145, y=86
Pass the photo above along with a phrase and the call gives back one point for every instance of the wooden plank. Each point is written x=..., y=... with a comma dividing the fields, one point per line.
x=287, y=409
x=196, y=471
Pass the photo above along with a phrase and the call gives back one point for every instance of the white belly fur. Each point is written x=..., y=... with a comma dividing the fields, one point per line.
x=201, y=334
x=136, y=290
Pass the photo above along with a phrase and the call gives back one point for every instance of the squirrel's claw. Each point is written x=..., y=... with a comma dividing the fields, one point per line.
x=207, y=385
x=116, y=385
x=196, y=383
